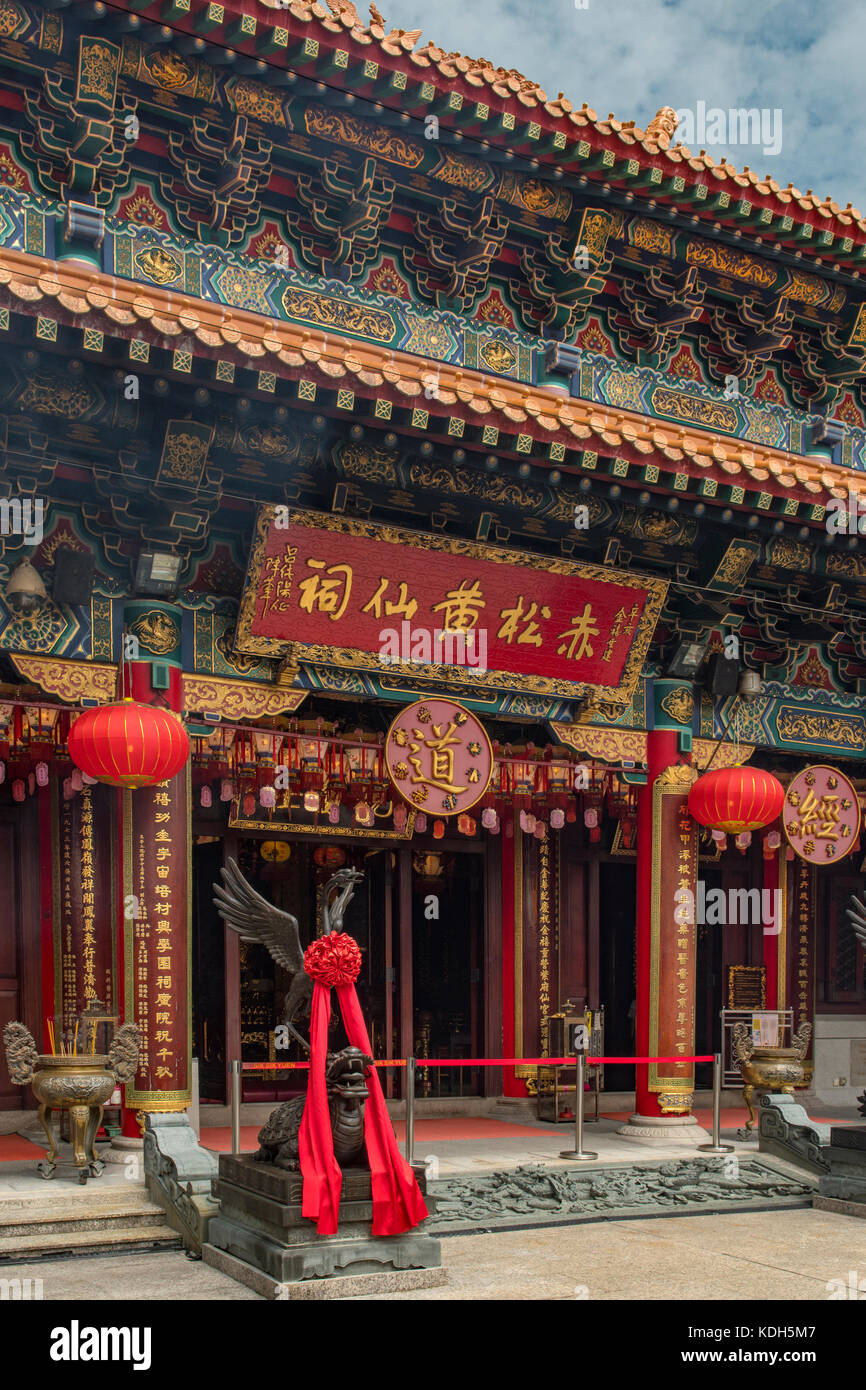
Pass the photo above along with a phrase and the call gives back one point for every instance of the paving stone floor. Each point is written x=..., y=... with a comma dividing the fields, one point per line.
x=782, y=1255
x=785, y=1256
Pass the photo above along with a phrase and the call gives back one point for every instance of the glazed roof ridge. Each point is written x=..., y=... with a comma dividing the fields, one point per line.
x=510, y=84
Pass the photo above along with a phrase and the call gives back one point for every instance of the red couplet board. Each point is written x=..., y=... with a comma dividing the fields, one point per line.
x=344, y=592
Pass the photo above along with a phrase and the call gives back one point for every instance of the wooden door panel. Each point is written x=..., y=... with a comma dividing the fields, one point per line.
x=9, y=933
x=11, y=1096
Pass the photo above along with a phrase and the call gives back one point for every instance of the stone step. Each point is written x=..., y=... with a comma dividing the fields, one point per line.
x=36, y=1223
x=46, y=1245
x=51, y=1201
x=53, y=1220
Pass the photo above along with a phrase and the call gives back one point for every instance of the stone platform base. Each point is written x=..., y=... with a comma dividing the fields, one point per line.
x=841, y=1207
x=845, y=1155
x=312, y=1290
x=260, y=1223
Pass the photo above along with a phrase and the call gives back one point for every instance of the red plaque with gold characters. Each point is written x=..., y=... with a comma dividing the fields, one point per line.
x=821, y=815
x=83, y=901
x=439, y=757
x=331, y=589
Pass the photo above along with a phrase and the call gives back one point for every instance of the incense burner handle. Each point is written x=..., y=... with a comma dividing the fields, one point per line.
x=743, y=1043
x=21, y=1053
x=801, y=1039
x=123, y=1053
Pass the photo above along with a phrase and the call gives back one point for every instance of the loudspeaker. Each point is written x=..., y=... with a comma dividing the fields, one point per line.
x=723, y=674
x=73, y=576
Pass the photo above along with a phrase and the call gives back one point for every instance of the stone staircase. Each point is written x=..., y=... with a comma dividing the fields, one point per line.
x=61, y=1222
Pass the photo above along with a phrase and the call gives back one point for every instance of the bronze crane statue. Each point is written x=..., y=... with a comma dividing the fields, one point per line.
x=255, y=919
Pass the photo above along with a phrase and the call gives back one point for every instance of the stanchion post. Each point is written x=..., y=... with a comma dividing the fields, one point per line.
x=236, y=1107
x=717, y=1147
x=410, y=1110
x=580, y=1154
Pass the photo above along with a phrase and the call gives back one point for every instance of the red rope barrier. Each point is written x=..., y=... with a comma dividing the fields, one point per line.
x=480, y=1062
x=305, y=1066
x=542, y=1061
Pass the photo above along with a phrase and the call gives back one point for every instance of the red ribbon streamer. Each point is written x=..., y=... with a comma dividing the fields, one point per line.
x=397, y=1201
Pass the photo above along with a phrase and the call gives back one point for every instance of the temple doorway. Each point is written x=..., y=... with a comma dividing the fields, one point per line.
x=617, y=989
x=418, y=916
x=447, y=968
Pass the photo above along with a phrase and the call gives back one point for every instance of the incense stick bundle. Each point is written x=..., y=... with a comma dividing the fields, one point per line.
x=51, y=1036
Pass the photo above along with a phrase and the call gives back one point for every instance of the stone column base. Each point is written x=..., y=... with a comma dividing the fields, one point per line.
x=675, y=1129
x=120, y=1148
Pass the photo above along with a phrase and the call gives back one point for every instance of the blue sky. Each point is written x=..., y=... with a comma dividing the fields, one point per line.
x=805, y=57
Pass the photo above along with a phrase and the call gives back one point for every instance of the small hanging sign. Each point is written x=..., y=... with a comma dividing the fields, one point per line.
x=439, y=757
x=821, y=815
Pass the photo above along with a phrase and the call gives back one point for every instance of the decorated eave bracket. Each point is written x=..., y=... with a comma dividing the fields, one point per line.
x=624, y=443
x=627, y=748
x=96, y=682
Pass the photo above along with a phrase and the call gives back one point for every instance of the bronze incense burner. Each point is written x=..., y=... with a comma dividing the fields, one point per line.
x=79, y=1083
x=769, y=1068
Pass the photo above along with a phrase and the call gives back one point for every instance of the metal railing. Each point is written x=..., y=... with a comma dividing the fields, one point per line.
x=580, y=1059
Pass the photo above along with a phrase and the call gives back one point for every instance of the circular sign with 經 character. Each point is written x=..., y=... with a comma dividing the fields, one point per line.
x=439, y=757
x=821, y=814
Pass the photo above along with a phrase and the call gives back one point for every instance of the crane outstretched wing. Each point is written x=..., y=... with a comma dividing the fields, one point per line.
x=249, y=914
x=856, y=914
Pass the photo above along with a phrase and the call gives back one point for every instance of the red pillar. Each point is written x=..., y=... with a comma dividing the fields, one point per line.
x=51, y=1004
x=156, y=954
x=666, y=862
x=772, y=938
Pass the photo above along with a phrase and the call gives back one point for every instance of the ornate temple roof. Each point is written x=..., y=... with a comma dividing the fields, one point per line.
x=504, y=106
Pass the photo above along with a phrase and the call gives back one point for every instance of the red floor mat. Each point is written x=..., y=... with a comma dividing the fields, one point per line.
x=473, y=1127
x=733, y=1117
x=13, y=1148
x=219, y=1139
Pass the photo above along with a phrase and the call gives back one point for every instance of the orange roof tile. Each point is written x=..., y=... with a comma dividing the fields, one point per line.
x=83, y=290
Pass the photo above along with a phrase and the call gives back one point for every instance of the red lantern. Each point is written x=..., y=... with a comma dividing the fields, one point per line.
x=736, y=799
x=329, y=857
x=128, y=744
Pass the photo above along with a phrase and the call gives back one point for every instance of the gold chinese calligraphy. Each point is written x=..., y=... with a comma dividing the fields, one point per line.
x=821, y=814
x=439, y=757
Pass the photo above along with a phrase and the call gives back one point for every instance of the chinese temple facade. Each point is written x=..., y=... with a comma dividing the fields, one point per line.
x=340, y=375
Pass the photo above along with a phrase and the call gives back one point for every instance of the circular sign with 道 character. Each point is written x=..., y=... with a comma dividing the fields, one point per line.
x=821, y=814
x=439, y=757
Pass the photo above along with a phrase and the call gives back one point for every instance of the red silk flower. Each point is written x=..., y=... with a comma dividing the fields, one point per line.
x=333, y=960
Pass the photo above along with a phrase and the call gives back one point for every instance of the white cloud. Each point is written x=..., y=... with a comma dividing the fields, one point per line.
x=633, y=56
